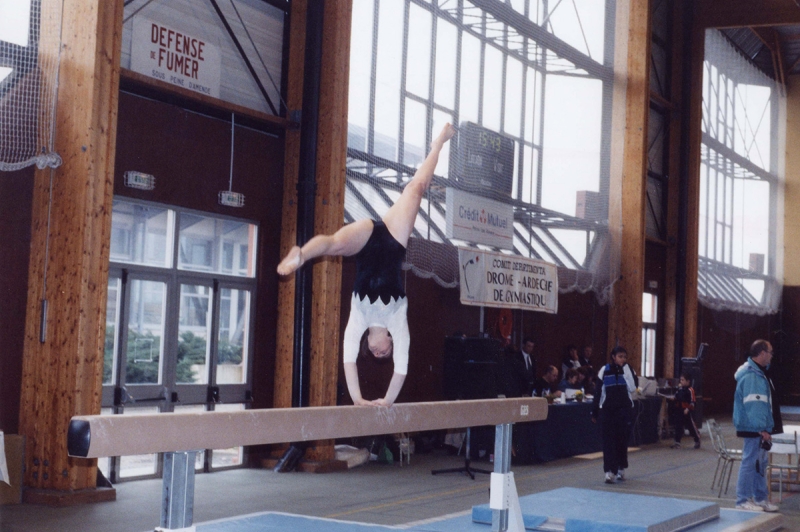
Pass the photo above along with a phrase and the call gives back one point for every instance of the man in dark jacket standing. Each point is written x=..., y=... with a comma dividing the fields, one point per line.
x=752, y=417
x=528, y=364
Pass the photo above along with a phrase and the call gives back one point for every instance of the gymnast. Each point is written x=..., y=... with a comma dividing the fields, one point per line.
x=378, y=303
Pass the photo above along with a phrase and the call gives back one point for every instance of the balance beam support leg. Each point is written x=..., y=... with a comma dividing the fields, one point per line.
x=177, y=496
x=504, y=501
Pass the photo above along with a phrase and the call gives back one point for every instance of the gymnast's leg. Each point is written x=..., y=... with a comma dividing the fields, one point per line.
x=346, y=241
x=400, y=218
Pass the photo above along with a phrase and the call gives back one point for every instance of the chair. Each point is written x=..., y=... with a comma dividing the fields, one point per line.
x=716, y=448
x=727, y=457
x=788, y=472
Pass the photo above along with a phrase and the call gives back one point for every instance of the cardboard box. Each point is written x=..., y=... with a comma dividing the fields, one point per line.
x=15, y=451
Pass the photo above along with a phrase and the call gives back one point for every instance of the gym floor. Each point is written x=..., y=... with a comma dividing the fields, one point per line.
x=390, y=494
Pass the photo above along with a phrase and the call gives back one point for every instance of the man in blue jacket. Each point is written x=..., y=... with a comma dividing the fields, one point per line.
x=752, y=417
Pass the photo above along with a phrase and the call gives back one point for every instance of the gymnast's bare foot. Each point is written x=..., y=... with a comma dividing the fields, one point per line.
x=292, y=261
x=446, y=134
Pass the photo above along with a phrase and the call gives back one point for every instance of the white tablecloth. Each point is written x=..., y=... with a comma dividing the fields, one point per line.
x=3, y=466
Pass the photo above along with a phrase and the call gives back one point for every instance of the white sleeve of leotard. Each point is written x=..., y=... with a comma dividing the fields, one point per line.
x=401, y=342
x=356, y=325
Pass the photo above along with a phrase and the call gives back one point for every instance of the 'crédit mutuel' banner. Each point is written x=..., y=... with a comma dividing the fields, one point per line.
x=507, y=281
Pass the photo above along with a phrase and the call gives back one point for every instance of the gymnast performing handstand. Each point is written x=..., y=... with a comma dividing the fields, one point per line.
x=379, y=302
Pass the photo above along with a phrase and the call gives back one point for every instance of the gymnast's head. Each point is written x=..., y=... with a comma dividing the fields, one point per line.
x=379, y=342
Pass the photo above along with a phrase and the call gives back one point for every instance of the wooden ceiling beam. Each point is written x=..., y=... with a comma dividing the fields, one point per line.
x=796, y=62
x=746, y=13
x=761, y=38
x=779, y=72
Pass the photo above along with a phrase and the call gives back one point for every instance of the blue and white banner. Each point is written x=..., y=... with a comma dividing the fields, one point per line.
x=480, y=220
x=507, y=281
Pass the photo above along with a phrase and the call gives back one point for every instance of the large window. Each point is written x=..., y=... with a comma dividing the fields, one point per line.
x=740, y=196
x=180, y=294
x=538, y=73
x=649, y=326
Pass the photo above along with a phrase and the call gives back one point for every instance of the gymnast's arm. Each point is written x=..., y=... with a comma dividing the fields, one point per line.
x=401, y=341
x=352, y=342
x=351, y=376
x=395, y=385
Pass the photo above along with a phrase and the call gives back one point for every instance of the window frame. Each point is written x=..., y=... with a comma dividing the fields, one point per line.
x=165, y=395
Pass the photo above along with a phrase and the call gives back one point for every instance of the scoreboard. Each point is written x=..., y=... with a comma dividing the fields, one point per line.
x=485, y=161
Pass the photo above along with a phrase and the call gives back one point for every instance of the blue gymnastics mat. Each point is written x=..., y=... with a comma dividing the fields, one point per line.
x=581, y=510
x=729, y=520
x=283, y=522
x=278, y=521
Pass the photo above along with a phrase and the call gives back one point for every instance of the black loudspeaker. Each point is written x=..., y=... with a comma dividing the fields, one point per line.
x=470, y=367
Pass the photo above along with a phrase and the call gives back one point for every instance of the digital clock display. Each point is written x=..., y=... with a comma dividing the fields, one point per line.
x=485, y=160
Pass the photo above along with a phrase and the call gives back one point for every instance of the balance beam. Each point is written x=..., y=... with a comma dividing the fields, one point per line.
x=116, y=435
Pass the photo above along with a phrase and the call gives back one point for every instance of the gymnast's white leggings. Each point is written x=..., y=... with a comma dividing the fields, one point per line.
x=364, y=314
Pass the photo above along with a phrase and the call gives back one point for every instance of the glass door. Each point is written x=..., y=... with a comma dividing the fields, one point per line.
x=179, y=316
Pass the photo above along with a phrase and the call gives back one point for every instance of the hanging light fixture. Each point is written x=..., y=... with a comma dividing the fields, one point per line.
x=140, y=180
x=229, y=198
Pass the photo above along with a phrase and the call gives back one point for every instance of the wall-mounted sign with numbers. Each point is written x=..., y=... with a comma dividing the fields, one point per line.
x=485, y=160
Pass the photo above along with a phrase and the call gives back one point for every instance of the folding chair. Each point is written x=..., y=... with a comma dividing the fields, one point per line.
x=727, y=456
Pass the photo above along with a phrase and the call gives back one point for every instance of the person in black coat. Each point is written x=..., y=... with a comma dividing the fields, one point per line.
x=511, y=377
x=527, y=363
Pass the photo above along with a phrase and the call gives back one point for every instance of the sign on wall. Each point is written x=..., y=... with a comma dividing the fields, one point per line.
x=172, y=56
x=507, y=281
x=480, y=220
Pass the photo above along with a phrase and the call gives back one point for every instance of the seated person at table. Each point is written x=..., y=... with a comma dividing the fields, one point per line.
x=547, y=384
x=682, y=408
x=588, y=379
x=570, y=360
x=571, y=383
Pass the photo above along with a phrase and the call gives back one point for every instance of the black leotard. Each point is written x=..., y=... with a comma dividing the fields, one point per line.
x=378, y=267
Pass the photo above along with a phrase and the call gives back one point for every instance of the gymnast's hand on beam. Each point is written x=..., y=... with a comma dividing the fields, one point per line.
x=381, y=402
x=362, y=402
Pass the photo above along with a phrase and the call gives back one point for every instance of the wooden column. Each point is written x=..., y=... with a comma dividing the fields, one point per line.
x=329, y=211
x=71, y=222
x=628, y=180
x=692, y=184
x=791, y=222
x=286, y=287
x=669, y=341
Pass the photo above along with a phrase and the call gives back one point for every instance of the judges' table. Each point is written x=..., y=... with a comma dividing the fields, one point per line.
x=569, y=431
